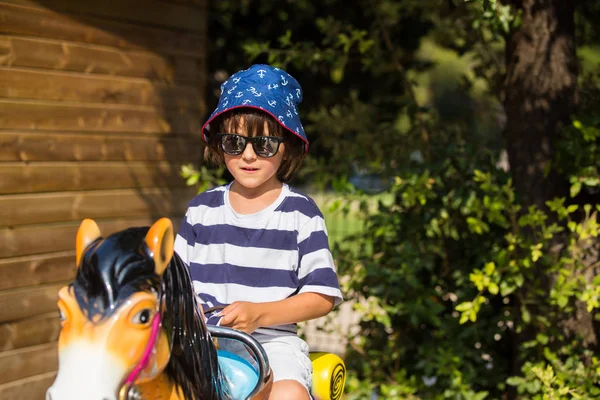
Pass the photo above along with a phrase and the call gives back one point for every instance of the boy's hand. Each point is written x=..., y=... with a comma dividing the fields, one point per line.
x=241, y=315
x=246, y=316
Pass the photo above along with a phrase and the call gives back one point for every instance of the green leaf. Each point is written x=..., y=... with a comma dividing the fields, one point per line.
x=493, y=288
x=473, y=315
x=543, y=339
x=463, y=318
x=562, y=301
x=572, y=225
x=575, y=188
x=514, y=380
x=506, y=288
x=480, y=396
x=525, y=315
x=337, y=73
x=192, y=180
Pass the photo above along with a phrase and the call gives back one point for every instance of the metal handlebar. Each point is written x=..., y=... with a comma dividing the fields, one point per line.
x=264, y=369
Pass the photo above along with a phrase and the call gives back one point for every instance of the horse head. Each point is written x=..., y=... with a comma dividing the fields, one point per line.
x=130, y=323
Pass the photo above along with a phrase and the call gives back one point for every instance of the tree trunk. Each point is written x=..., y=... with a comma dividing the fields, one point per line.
x=539, y=96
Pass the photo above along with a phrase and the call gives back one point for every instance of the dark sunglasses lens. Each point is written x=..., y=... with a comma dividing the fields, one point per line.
x=233, y=144
x=265, y=146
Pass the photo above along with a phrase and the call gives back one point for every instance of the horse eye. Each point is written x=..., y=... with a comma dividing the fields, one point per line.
x=61, y=315
x=142, y=317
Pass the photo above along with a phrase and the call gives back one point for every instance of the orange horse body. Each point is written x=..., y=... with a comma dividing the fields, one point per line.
x=128, y=331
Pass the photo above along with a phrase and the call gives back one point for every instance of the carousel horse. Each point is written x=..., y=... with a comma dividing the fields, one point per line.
x=131, y=329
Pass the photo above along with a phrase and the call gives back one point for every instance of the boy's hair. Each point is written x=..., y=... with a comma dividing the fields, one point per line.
x=254, y=125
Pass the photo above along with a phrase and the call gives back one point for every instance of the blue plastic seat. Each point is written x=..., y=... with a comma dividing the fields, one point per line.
x=240, y=374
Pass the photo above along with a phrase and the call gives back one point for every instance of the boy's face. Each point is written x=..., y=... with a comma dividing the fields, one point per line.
x=248, y=169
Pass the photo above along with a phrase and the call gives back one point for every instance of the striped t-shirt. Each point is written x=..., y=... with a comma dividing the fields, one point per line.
x=267, y=256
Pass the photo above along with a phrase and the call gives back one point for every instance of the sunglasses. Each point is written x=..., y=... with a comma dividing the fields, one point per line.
x=263, y=146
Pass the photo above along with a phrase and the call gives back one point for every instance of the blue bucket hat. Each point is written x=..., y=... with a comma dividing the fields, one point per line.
x=266, y=88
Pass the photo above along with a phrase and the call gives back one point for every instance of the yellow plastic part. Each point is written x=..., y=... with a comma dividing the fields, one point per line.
x=329, y=376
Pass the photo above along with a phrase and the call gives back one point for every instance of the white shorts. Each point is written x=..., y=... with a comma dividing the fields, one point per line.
x=288, y=357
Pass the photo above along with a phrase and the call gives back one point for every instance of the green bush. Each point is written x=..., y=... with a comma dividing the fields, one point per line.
x=464, y=295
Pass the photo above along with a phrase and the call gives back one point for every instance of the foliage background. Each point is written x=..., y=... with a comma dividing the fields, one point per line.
x=467, y=290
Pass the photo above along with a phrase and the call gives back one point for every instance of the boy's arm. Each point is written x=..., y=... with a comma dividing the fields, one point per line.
x=318, y=286
x=247, y=317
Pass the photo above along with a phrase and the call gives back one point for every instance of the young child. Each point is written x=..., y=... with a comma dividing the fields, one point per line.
x=257, y=246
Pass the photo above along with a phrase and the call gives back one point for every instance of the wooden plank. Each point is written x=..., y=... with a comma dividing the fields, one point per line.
x=63, y=56
x=31, y=388
x=40, y=22
x=29, y=332
x=201, y=4
x=75, y=206
x=153, y=12
x=58, y=146
x=31, y=361
x=39, y=239
x=20, y=178
x=37, y=270
x=18, y=83
x=92, y=59
x=20, y=304
x=38, y=115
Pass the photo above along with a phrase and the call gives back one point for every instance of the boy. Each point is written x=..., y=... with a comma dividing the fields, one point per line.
x=256, y=246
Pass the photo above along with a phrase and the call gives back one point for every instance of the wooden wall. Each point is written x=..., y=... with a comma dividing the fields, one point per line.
x=100, y=104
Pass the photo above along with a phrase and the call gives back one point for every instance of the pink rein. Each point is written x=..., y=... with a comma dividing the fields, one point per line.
x=147, y=353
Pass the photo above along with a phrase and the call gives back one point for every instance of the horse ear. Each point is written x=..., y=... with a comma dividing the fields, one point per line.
x=159, y=240
x=87, y=233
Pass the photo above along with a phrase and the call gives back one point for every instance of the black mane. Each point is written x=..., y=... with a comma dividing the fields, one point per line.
x=114, y=268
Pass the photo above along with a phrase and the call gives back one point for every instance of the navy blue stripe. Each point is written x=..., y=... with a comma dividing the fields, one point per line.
x=304, y=206
x=253, y=277
x=296, y=191
x=213, y=199
x=260, y=238
x=213, y=319
x=186, y=231
x=316, y=241
x=321, y=277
